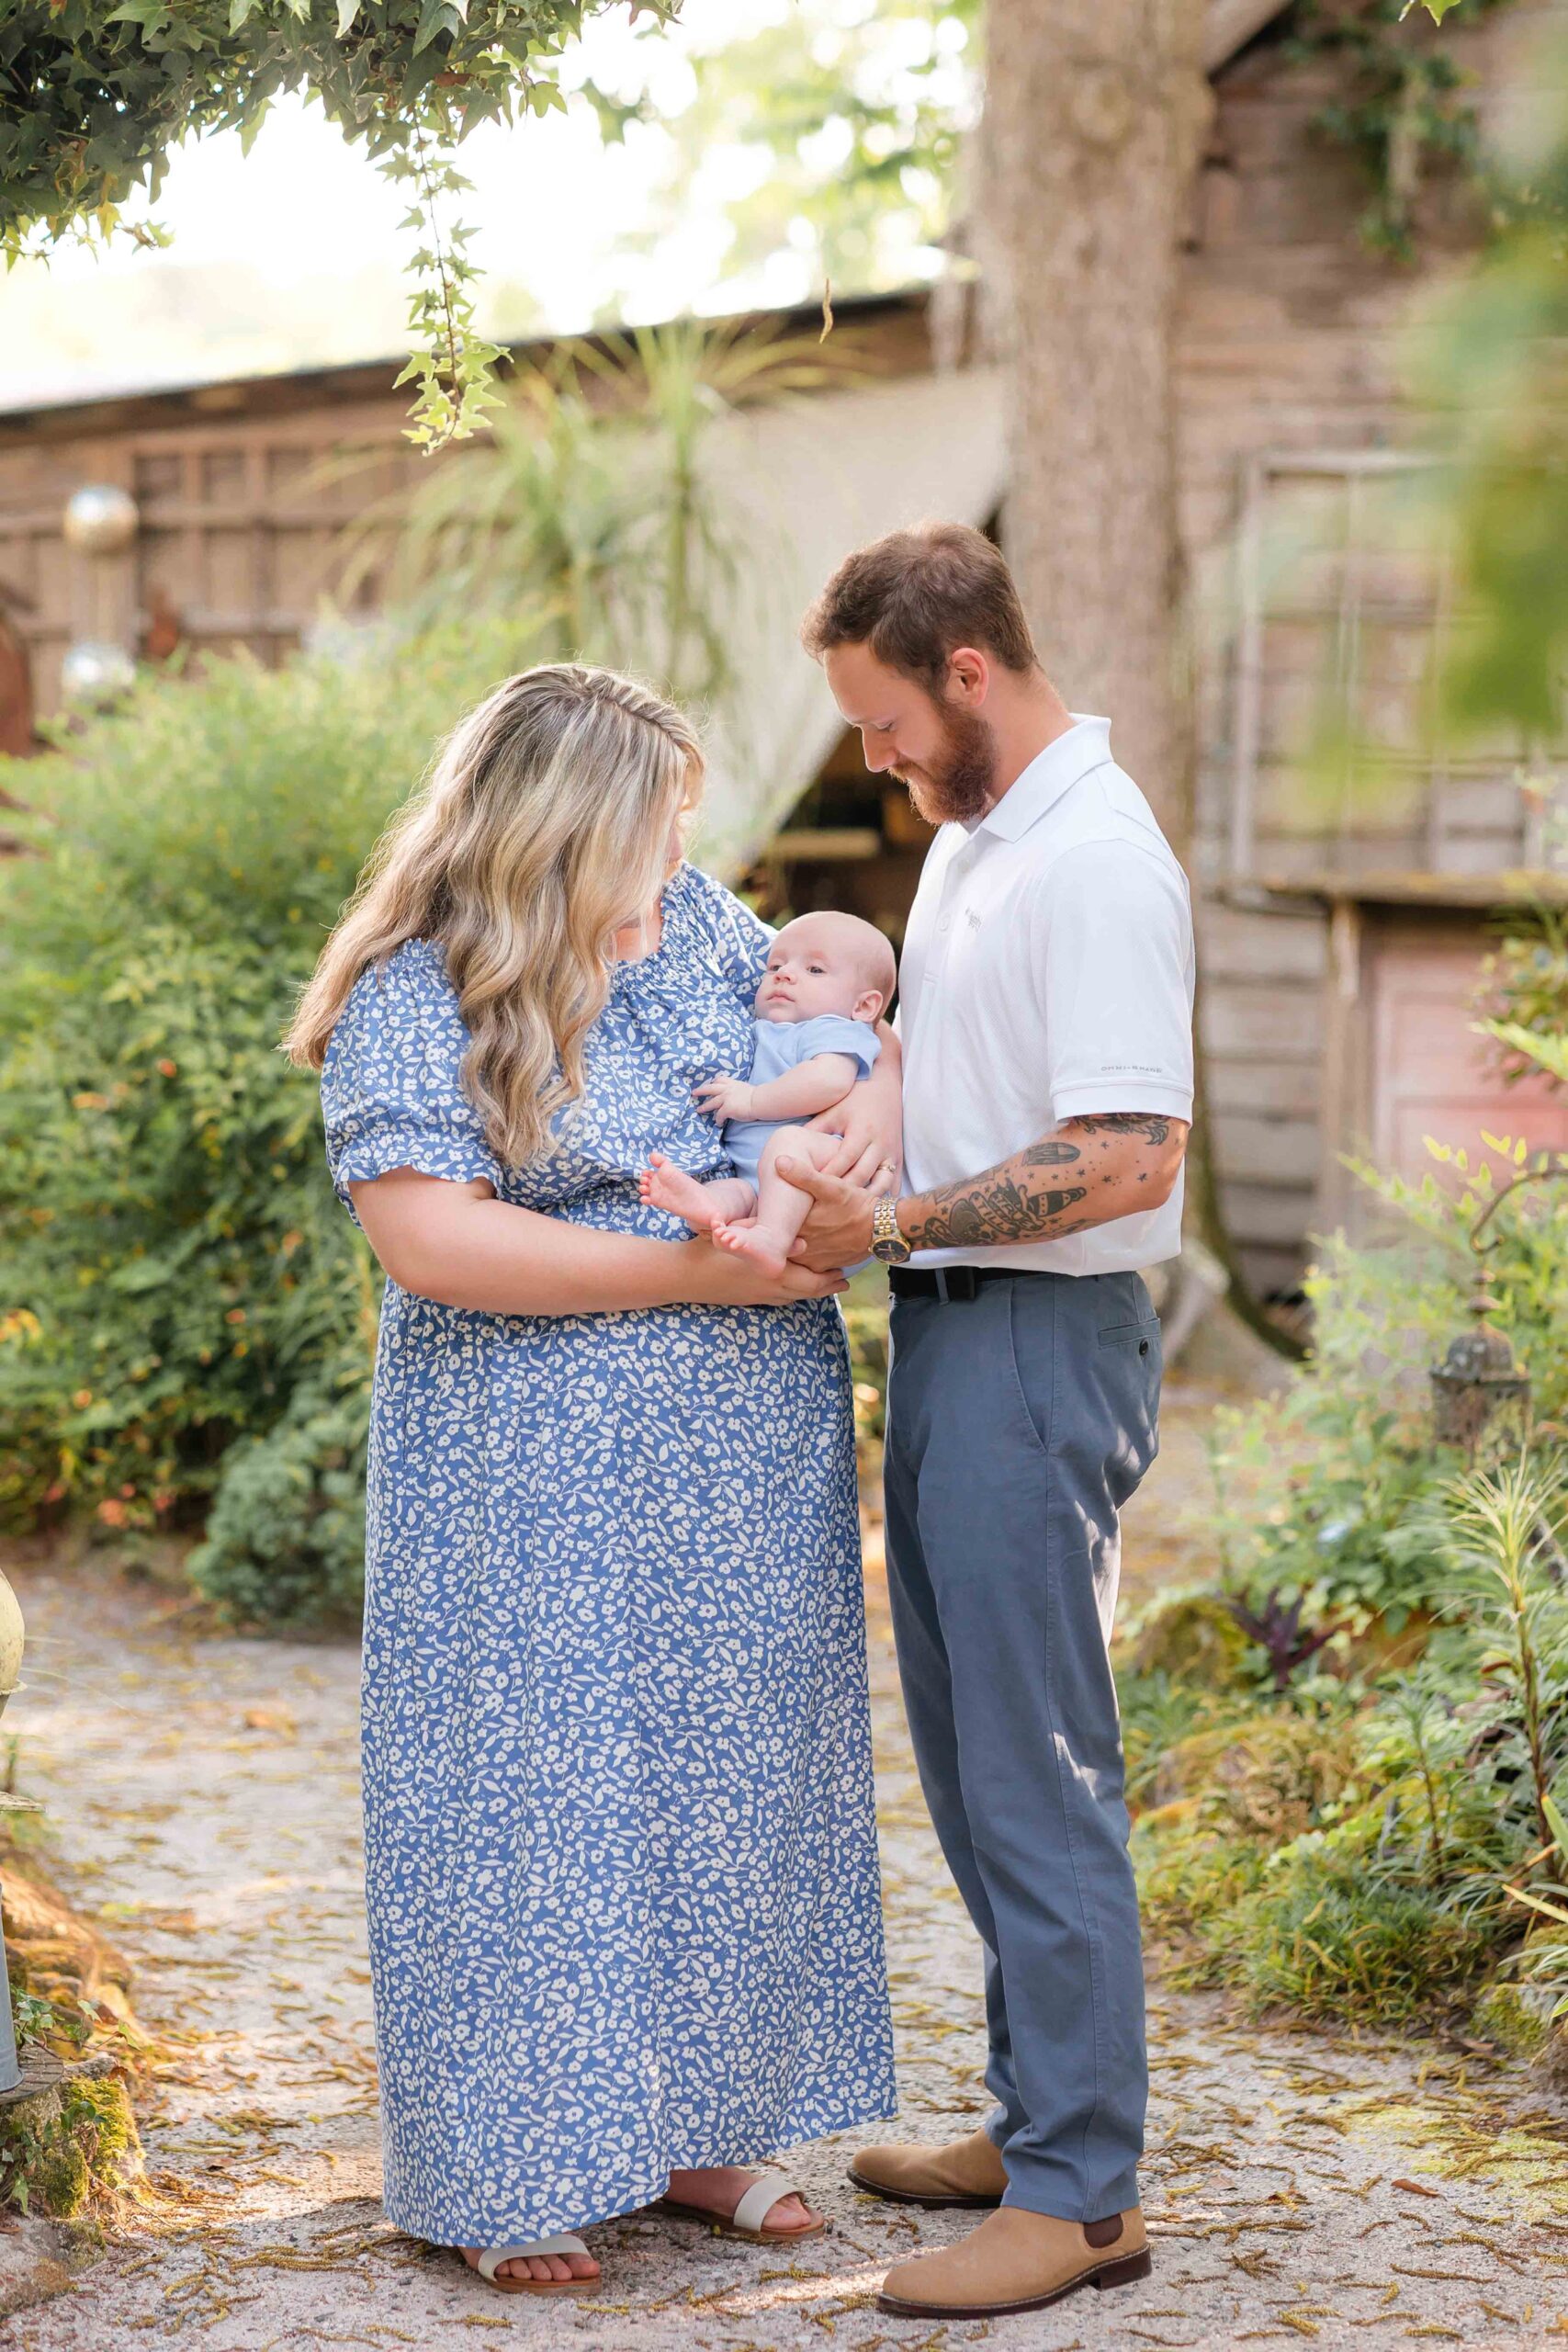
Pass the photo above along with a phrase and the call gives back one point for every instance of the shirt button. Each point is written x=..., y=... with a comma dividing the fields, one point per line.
x=946, y=924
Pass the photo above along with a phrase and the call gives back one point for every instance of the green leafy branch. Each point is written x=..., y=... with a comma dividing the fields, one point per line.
x=452, y=364
x=95, y=98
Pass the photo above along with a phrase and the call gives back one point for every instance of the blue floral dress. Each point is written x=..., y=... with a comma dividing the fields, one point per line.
x=620, y=1844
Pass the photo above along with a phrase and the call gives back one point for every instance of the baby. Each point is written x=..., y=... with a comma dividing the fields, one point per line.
x=830, y=977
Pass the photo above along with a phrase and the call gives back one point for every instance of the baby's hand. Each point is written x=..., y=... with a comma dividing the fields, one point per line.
x=724, y=1098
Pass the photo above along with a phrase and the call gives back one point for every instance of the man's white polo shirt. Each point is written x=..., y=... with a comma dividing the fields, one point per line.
x=1047, y=975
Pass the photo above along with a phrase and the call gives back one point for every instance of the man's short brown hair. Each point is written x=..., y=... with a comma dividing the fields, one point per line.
x=915, y=596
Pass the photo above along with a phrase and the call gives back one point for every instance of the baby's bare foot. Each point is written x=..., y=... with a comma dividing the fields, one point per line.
x=665, y=1186
x=751, y=1241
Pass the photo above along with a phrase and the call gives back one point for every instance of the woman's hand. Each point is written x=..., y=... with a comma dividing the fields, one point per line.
x=870, y=1120
x=720, y=1278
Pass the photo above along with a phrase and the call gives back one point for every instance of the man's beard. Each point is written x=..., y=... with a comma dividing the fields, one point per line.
x=960, y=786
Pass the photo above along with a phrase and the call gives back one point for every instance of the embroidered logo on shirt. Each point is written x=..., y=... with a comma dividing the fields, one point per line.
x=972, y=919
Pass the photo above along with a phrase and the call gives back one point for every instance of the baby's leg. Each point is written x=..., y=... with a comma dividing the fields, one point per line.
x=781, y=1205
x=665, y=1186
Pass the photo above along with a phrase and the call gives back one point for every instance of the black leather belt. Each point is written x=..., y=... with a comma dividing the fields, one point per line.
x=950, y=1282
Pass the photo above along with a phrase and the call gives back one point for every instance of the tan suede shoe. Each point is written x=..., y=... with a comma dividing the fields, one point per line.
x=964, y=2172
x=1018, y=2261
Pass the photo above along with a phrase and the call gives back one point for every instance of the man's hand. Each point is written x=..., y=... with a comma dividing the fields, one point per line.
x=870, y=1123
x=837, y=1231
x=724, y=1098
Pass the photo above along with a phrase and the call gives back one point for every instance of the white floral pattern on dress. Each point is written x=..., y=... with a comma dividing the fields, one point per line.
x=620, y=1843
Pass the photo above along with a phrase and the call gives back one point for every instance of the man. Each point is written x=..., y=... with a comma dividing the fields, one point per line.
x=1047, y=1019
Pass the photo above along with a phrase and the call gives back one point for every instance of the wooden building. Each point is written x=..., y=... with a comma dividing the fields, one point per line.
x=1340, y=927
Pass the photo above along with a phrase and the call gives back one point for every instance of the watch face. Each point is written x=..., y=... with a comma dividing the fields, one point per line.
x=886, y=1242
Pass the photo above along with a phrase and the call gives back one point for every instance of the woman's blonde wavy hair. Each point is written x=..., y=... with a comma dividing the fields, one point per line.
x=543, y=828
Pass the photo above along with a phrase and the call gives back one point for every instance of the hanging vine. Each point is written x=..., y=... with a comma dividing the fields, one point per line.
x=1404, y=114
x=96, y=95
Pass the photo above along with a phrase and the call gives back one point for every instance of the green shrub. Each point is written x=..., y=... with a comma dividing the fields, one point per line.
x=1329, y=1491
x=1191, y=1874
x=177, y=1275
x=1329, y=1939
x=285, y=1542
x=1159, y=1710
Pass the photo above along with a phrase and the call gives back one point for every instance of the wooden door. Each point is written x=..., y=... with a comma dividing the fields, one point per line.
x=1429, y=1074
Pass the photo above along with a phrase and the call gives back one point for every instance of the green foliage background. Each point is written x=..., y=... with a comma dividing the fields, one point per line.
x=189, y=1315
x=189, y=1318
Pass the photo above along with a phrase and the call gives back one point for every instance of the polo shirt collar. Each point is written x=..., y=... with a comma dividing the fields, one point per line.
x=1086, y=745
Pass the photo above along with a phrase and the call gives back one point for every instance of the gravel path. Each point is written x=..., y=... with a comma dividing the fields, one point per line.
x=1297, y=2187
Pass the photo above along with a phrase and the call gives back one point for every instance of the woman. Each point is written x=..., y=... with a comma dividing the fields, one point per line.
x=620, y=1847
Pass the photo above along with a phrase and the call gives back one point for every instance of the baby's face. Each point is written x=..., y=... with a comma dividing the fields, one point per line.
x=815, y=967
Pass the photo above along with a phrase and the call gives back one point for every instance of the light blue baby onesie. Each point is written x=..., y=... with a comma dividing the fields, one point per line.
x=784, y=1045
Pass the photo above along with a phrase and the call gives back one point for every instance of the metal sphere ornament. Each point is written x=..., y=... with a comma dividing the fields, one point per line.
x=97, y=675
x=100, y=519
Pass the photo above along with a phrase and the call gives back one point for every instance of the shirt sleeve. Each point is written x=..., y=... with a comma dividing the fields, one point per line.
x=391, y=1084
x=830, y=1032
x=740, y=939
x=1113, y=952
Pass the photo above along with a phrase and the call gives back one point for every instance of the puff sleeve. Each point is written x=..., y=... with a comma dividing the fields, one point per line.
x=739, y=940
x=391, y=1083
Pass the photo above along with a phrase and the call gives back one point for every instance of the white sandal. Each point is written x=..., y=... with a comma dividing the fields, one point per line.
x=769, y=2189
x=493, y=2256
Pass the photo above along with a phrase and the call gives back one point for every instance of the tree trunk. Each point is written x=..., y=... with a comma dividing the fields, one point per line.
x=1095, y=111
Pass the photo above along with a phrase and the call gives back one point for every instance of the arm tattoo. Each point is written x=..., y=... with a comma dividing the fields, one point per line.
x=1017, y=1200
x=992, y=1207
x=1127, y=1123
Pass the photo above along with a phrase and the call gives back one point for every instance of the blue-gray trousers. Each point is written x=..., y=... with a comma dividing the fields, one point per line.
x=1019, y=1421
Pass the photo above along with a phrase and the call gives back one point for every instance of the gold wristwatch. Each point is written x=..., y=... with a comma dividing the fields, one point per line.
x=886, y=1242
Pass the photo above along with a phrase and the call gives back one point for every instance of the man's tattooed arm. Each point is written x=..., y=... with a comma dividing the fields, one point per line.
x=1128, y=1123
x=1112, y=1164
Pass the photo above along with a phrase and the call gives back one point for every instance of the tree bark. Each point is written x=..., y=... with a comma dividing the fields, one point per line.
x=1095, y=113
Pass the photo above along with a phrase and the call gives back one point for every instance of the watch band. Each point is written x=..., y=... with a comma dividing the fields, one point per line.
x=886, y=1241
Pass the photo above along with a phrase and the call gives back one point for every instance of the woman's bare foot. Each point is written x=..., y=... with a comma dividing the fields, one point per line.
x=542, y=2266
x=718, y=2190
x=753, y=1241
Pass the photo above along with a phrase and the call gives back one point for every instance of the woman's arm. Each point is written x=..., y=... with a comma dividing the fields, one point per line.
x=460, y=1246
x=870, y=1120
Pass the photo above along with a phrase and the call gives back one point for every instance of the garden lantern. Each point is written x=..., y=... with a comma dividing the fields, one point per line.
x=1478, y=1375
x=10, y=1671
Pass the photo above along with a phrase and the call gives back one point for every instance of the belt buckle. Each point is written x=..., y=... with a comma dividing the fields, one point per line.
x=955, y=1282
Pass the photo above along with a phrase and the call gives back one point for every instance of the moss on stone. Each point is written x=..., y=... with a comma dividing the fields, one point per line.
x=1505, y=2015
x=70, y=2153
x=1195, y=1639
x=1269, y=1776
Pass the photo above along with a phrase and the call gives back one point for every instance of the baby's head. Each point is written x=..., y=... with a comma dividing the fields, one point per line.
x=827, y=963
